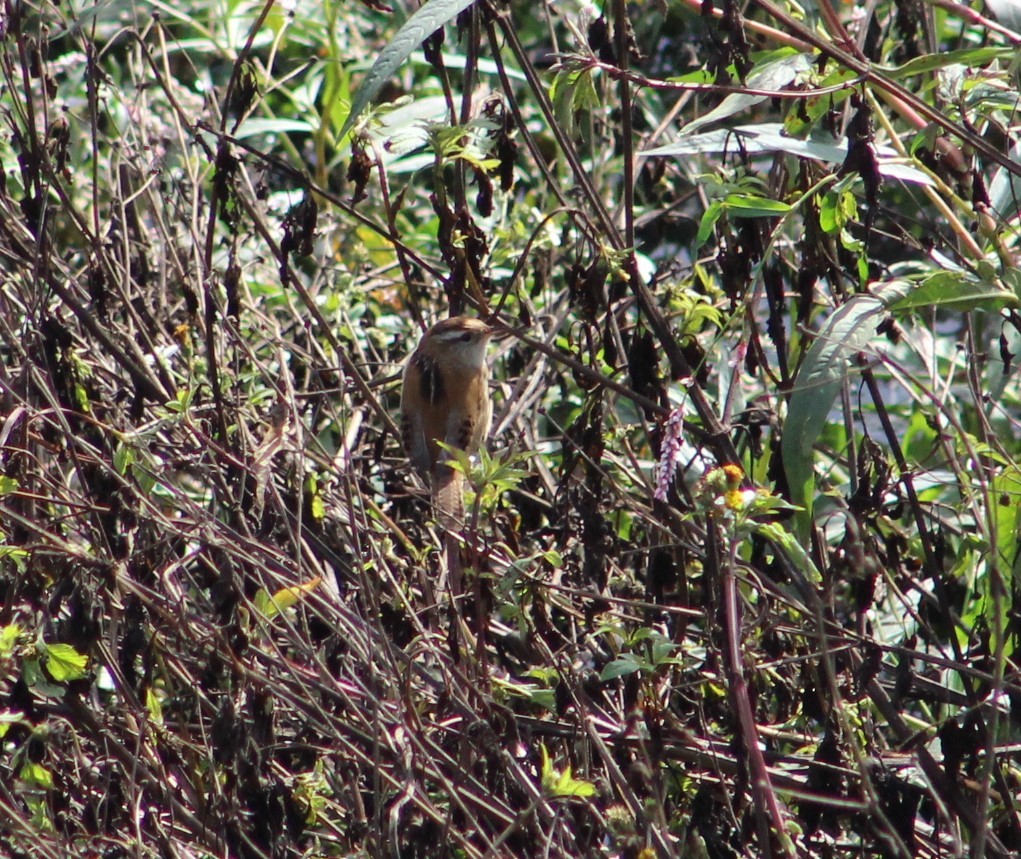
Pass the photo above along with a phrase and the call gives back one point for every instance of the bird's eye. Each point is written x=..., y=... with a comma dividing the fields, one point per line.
x=466, y=337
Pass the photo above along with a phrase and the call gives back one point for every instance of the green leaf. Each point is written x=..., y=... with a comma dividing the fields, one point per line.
x=314, y=494
x=573, y=90
x=952, y=290
x=792, y=547
x=847, y=331
x=712, y=214
x=255, y=126
x=457, y=459
x=123, y=457
x=539, y=695
x=9, y=639
x=8, y=718
x=154, y=706
x=699, y=77
x=36, y=774
x=415, y=30
x=81, y=396
x=972, y=57
x=64, y=662
x=271, y=605
x=1006, y=508
x=836, y=207
x=562, y=784
x=772, y=75
x=622, y=666
x=751, y=206
x=755, y=139
x=181, y=403
x=773, y=137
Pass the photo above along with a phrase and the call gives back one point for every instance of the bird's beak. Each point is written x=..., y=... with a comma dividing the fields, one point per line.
x=500, y=332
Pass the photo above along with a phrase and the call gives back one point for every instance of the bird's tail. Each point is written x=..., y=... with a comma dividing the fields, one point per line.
x=448, y=497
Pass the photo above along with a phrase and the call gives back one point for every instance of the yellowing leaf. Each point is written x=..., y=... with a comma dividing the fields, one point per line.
x=64, y=662
x=283, y=599
x=9, y=638
x=153, y=705
x=36, y=774
x=562, y=784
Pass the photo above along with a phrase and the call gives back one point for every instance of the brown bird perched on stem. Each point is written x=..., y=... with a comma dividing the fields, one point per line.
x=445, y=398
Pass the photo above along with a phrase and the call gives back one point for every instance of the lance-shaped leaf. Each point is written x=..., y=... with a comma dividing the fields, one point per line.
x=427, y=20
x=848, y=331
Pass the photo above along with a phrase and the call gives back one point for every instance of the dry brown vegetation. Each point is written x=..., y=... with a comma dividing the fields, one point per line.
x=739, y=573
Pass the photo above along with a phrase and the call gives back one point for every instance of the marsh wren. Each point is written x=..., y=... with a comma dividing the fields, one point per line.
x=445, y=398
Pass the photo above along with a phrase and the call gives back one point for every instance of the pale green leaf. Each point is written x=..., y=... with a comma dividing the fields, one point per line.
x=771, y=76
x=426, y=20
x=792, y=547
x=154, y=706
x=9, y=639
x=272, y=605
x=773, y=137
x=848, y=331
x=1005, y=494
x=952, y=290
x=64, y=662
x=927, y=63
x=36, y=774
x=562, y=784
x=8, y=718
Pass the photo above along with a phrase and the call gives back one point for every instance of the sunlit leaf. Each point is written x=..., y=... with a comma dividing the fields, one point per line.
x=8, y=718
x=748, y=206
x=36, y=774
x=154, y=706
x=848, y=330
x=9, y=639
x=64, y=662
x=954, y=290
x=622, y=666
x=270, y=605
x=927, y=63
x=792, y=546
x=562, y=784
x=771, y=76
x=426, y=20
x=772, y=137
x=255, y=126
x=1005, y=500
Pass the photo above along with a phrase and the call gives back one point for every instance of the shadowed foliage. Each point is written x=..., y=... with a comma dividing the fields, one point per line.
x=737, y=573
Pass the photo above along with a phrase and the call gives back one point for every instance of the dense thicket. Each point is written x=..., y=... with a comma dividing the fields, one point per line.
x=739, y=574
